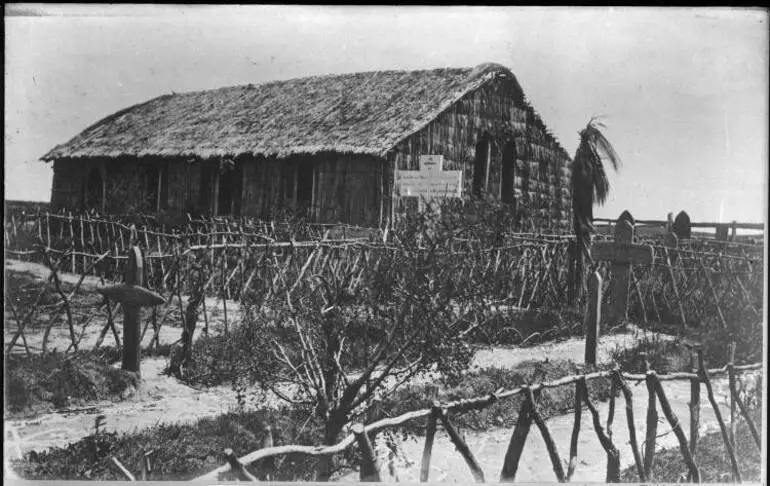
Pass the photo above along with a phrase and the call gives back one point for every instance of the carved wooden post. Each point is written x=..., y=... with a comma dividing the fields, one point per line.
x=683, y=226
x=593, y=317
x=132, y=297
x=621, y=253
x=721, y=232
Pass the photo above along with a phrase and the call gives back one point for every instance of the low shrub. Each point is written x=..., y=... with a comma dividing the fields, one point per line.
x=663, y=353
x=552, y=401
x=182, y=451
x=528, y=327
x=58, y=380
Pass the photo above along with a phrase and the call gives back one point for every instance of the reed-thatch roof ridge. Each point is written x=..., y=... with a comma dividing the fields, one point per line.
x=367, y=113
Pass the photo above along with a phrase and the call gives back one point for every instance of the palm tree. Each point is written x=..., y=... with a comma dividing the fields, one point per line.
x=589, y=185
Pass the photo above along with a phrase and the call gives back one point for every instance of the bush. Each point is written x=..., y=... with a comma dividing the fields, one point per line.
x=663, y=354
x=182, y=451
x=528, y=327
x=61, y=380
x=552, y=401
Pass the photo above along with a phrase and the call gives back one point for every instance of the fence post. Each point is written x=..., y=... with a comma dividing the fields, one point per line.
x=593, y=317
x=672, y=242
x=694, y=406
x=429, y=435
x=725, y=436
x=369, y=471
x=516, y=446
x=652, y=424
x=731, y=379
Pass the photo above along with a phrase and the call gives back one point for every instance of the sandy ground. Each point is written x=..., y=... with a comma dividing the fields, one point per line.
x=162, y=399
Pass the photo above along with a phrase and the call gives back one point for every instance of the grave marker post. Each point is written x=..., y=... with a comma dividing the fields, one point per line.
x=621, y=252
x=132, y=297
x=593, y=317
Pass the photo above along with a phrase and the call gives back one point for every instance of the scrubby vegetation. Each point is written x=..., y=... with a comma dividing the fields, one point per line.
x=57, y=380
x=483, y=382
x=181, y=451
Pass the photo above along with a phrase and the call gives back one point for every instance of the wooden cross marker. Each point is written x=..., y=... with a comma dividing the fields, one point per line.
x=132, y=297
x=621, y=252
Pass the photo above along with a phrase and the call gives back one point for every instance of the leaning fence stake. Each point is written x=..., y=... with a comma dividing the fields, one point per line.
x=745, y=413
x=429, y=435
x=237, y=467
x=516, y=446
x=613, y=455
x=369, y=471
x=573, y=445
x=675, y=426
x=123, y=469
x=547, y=438
x=710, y=392
x=462, y=448
x=627, y=396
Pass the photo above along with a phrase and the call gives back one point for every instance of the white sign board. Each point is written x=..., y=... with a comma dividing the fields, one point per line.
x=430, y=182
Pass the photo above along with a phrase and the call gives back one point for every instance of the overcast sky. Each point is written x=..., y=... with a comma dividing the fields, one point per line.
x=684, y=92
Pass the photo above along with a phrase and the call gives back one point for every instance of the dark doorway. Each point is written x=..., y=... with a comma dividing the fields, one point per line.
x=208, y=178
x=221, y=185
x=229, y=191
x=508, y=175
x=480, y=166
x=304, y=191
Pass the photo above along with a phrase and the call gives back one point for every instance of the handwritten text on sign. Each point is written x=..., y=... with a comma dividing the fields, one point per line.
x=430, y=181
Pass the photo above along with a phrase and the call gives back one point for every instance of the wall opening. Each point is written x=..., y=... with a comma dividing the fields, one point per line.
x=228, y=190
x=297, y=186
x=304, y=189
x=507, y=194
x=480, y=165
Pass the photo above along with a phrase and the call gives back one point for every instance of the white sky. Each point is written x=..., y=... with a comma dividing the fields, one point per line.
x=684, y=91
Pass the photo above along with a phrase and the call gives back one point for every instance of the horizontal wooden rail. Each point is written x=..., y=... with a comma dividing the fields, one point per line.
x=660, y=222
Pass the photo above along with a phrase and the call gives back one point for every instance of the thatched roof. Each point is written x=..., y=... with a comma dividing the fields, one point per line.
x=367, y=113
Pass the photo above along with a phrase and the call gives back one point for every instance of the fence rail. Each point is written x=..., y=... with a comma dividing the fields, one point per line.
x=520, y=272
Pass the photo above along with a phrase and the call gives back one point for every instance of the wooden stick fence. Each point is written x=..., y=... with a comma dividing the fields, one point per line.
x=527, y=415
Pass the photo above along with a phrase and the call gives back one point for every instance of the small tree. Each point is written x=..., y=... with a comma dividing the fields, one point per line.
x=589, y=185
x=366, y=322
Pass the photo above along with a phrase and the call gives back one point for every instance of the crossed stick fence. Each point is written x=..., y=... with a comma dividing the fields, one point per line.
x=529, y=413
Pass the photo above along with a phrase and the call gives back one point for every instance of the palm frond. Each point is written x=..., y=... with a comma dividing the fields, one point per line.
x=589, y=180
